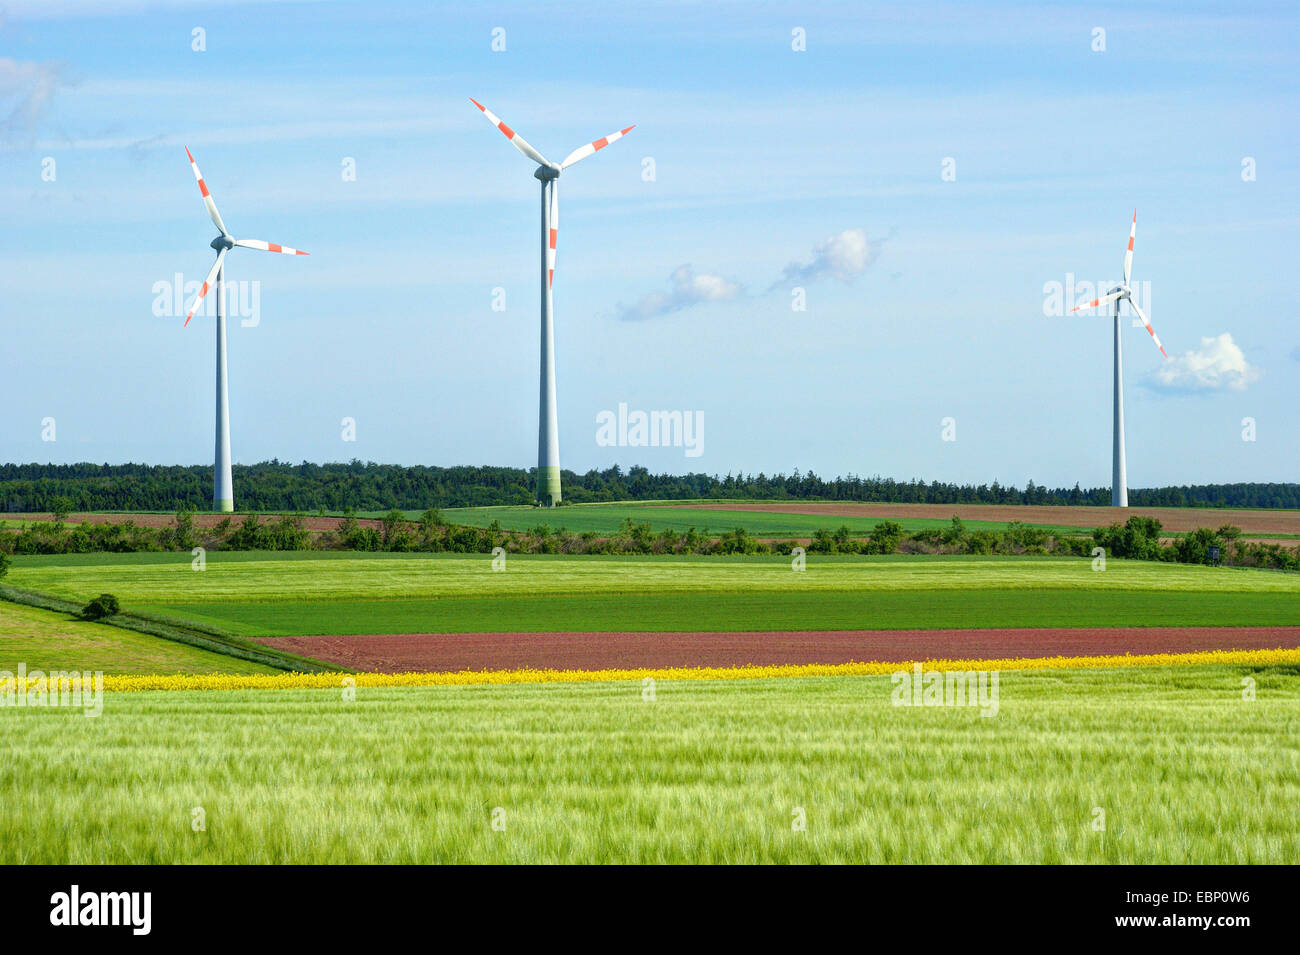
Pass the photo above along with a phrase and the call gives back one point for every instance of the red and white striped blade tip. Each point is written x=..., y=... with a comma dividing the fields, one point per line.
x=208, y=202
x=582, y=152
x=268, y=247
x=1128, y=253
x=1093, y=304
x=554, y=236
x=516, y=140
x=207, y=284
x=1147, y=323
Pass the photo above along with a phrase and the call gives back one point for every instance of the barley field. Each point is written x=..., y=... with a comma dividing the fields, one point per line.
x=1172, y=762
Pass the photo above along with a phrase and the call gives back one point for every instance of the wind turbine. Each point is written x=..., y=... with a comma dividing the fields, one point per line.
x=223, y=489
x=548, y=433
x=1122, y=293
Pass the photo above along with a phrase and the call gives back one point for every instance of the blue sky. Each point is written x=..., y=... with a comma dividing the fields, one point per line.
x=925, y=301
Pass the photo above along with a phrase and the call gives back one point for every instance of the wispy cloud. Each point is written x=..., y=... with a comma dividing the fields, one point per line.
x=688, y=288
x=1219, y=364
x=844, y=256
x=26, y=88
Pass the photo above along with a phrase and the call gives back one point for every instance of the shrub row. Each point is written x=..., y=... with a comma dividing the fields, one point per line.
x=1138, y=538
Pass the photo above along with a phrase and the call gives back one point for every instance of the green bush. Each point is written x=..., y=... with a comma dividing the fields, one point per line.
x=105, y=605
x=1137, y=538
x=739, y=541
x=981, y=542
x=823, y=542
x=955, y=535
x=395, y=532
x=1194, y=547
x=885, y=537
x=181, y=535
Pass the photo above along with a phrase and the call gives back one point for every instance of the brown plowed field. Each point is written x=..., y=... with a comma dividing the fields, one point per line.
x=398, y=653
x=1172, y=518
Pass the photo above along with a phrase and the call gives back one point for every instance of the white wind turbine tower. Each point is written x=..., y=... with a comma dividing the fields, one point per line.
x=1122, y=293
x=548, y=436
x=223, y=489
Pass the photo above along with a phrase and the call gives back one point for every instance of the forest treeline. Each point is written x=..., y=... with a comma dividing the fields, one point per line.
x=367, y=486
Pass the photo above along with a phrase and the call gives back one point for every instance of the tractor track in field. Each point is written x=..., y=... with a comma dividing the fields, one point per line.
x=399, y=653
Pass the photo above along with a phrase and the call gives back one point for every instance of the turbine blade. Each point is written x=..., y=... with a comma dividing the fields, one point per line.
x=1154, y=336
x=582, y=152
x=207, y=197
x=555, y=233
x=1098, y=301
x=207, y=284
x=1128, y=256
x=521, y=144
x=268, y=247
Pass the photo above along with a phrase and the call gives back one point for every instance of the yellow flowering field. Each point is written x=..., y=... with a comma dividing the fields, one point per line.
x=283, y=681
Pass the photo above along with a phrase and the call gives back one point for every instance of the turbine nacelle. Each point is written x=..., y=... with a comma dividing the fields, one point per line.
x=547, y=173
x=222, y=242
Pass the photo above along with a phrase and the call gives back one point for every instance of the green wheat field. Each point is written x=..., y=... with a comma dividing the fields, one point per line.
x=1182, y=767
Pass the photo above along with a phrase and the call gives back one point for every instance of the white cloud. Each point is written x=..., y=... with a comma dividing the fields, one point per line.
x=844, y=256
x=1218, y=364
x=26, y=88
x=688, y=288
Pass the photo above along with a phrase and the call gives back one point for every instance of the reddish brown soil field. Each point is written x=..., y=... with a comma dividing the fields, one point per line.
x=1172, y=518
x=399, y=653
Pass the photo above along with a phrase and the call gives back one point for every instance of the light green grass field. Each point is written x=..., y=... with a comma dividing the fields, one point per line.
x=45, y=640
x=269, y=576
x=1184, y=769
x=272, y=595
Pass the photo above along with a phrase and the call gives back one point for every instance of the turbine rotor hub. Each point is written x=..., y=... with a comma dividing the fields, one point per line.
x=223, y=242
x=547, y=173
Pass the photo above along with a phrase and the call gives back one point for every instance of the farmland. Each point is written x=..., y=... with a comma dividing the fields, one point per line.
x=766, y=522
x=662, y=651
x=1260, y=522
x=802, y=518
x=269, y=594
x=783, y=519
x=705, y=771
x=588, y=767
x=45, y=640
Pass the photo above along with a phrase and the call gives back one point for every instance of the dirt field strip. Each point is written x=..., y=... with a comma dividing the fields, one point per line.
x=1172, y=518
x=445, y=653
